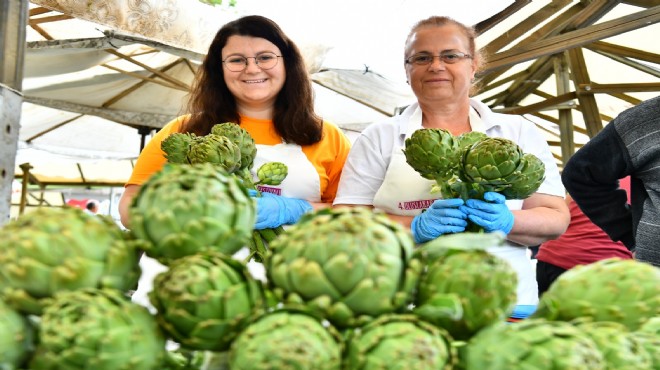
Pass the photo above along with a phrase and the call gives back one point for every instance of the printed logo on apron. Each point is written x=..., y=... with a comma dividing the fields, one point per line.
x=301, y=182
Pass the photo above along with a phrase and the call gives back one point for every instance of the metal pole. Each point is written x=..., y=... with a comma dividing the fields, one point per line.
x=13, y=20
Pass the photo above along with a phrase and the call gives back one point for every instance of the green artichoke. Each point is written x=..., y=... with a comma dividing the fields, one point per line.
x=183, y=359
x=498, y=164
x=57, y=249
x=652, y=326
x=203, y=300
x=651, y=344
x=272, y=173
x=97, y=329
x=466, y=140
x=16, y=339
x=464, y=288
x=399, y=342
x=618, y=346
x=185, y=209
x=286, y=340
x=241, y=138
x=217, y=150
x=176, y=147
x=433, y=153
x=525, y=180
x=533, y=344
x=349, y=264
x=624, y=291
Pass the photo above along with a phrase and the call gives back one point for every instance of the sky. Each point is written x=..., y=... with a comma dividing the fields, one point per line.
x=364, y=32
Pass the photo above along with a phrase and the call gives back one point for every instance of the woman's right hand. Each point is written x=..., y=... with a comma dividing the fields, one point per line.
x=442, y=217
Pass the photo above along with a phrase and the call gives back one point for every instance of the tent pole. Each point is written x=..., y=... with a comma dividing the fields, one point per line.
x=25, y=167
x=13, y=20
x=143, y=131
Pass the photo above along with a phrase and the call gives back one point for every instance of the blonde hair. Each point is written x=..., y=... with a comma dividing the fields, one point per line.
x=438, y=21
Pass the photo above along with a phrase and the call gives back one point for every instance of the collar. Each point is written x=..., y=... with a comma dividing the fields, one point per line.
x=478, y=118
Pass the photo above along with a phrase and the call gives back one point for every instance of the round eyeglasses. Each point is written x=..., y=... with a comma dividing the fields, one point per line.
x=424, y=59
x=238, y=63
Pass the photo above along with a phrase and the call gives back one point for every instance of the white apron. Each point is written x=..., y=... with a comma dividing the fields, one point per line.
x=302, y=181
x=405, y=192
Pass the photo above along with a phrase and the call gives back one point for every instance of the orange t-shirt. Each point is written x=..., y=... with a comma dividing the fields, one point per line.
x=327, y=156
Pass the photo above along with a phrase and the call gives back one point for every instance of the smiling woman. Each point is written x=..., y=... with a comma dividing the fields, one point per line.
x=440, y=61
x=254, y=75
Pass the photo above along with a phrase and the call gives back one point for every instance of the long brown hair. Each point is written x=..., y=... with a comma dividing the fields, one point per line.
x=211, y=101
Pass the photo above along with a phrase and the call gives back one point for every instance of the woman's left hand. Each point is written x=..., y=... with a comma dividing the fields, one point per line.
x=491, y=213
x=274, y=210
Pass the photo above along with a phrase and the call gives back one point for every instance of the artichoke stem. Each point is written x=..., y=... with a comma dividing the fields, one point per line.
x=259, y=246
x=268, y=234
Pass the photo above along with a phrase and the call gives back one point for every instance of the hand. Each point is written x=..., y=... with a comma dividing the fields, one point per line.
x=491, y=213
x=442, y=217
x=274, y=210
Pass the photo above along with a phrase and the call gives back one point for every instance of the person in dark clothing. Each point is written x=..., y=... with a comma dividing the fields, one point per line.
x=628, y=146
x=582, y=243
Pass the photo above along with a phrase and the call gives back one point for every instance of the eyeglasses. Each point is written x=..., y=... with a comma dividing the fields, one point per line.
x=265, y=61
x=424, y=59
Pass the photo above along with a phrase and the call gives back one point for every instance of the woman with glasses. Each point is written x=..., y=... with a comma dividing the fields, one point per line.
x=441, y=60
x=254, y=75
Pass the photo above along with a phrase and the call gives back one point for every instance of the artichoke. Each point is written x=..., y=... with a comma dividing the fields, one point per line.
x=97, y=329
x=464, y=288
x=399, y=342
x=433, y=153
x=217, y=150
x=241, y=138
x=464, y=141
x=60, y=249
x=286, y=340
x=618, y=346
x=651, y=344
x=15, y=338
x=532, y=344
x=185, y=209
x=182, y=359
x=652, y=326
x=349, y=264
x=624, y=291
x=176, y=147
x=498, y=164
x=203, y=300
x=526, y=179
x=272, y=173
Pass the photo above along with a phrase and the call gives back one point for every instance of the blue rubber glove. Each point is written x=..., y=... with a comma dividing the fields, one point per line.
x=442, y=217
x=491, y=214
x=274, y=210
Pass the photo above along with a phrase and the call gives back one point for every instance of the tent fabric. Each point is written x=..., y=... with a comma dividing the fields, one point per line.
x=120, y=67
x=190, y=26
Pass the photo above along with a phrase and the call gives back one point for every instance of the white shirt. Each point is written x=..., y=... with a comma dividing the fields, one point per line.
x=371, y=152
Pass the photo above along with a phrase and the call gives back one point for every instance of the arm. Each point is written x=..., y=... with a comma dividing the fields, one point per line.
x=125, y=202
x=592, y=176
x=542, y=217
x=364, y=170
x=404, y=221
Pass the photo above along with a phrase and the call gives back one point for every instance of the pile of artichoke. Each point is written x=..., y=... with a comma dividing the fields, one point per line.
x=468, y=165
x=345, y=290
